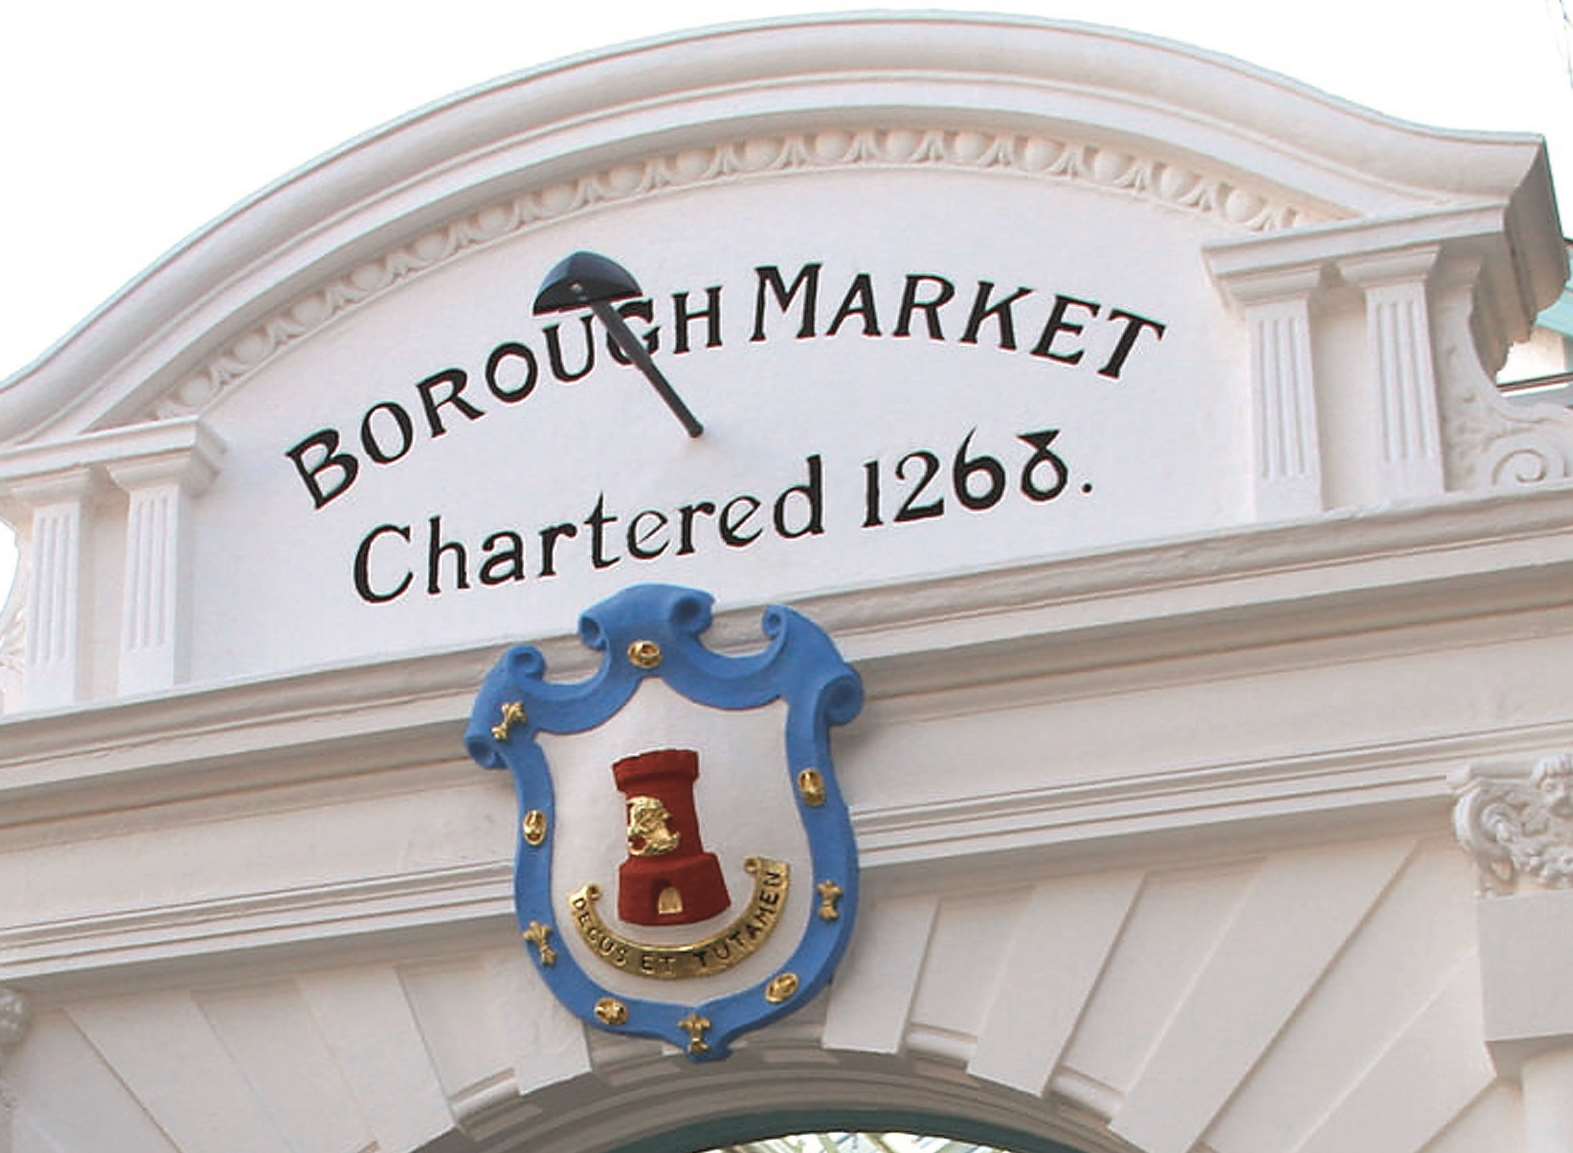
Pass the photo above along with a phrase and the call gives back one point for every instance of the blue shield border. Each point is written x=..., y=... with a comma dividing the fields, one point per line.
x=799, y=665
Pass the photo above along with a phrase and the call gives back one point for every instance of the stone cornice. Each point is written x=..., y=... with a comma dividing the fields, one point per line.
x=1354, y=246
x=184, y=441
x=1168, y=182
x=1150, y=608
x=1483, y=571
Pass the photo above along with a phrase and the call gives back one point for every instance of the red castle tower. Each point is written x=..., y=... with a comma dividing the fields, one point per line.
x=668, y=878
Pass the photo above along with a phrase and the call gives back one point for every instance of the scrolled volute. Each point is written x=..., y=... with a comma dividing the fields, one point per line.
x=1518, y=825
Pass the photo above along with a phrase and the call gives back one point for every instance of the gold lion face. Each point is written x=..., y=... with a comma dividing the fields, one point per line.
x=648, y=834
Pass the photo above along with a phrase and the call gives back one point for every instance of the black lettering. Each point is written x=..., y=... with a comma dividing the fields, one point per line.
x=686, y=515
x=363, y=566
x=730, y=534
x=1058, y=324
x=859, y=301
x=554, y=350
x=1032, y=488
x=514, y=351
x=1000, y=312
x=643, y=310
x=638, y=539
x=435, y=548
x=711, y=312
x=930, y=308
x=807, y=279
x=1134, y=326
x=368, y=438
x=813, y=492
x=549, y=538
x=326, y=439
x=910, y=509
x=455, y=379
x=598, y=520
x=507, y=564
x=871, y=517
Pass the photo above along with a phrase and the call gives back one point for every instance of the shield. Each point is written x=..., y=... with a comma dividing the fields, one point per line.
x=686, y=868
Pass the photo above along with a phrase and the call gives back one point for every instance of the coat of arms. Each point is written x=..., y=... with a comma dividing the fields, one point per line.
x=686, y=868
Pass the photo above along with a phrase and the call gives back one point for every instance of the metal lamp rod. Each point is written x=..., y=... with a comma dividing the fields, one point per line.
x=629, y=343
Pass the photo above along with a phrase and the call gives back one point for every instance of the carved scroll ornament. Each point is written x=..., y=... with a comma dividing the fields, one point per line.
x=1520, y=828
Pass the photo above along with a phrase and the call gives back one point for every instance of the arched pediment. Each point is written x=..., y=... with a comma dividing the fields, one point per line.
x=1060, y=103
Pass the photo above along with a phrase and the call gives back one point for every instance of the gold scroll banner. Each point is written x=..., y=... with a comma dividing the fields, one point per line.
x=705, y=958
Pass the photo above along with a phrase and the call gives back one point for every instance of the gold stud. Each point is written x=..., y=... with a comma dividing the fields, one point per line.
x=534, y=828
x=611, y=1011
x=812, y=787
x=781, y=988
x=645, y=654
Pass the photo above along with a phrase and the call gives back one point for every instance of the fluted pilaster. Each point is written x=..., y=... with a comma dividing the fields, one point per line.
x=1286, y=461
x=1398, y=331
x=155, y=605
x=53, y=666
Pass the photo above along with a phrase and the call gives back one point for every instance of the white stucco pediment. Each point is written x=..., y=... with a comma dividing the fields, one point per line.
x=867, y=244
x=1070, y=103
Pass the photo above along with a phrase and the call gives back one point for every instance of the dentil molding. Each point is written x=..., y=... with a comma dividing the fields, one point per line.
x=1186, y=188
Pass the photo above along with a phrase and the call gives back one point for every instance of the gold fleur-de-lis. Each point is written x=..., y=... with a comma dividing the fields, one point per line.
x=829, y=900
x=512, y=714
x=696, y=1027
x=538, y=935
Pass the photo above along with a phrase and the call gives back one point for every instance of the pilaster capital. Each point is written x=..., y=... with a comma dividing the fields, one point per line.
x=1517, y=824
x=1412, y=265
x=1368, y=253
x=1252, y=287
x=184, y=450
x=191, y=465
x=15, y=1017
x=47, y=488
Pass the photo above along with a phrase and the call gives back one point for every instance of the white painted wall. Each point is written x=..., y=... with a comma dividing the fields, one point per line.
x=1152, y=796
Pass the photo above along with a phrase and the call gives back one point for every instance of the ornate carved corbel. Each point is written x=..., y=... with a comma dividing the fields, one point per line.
x=15, y=1016
x=1519, y=824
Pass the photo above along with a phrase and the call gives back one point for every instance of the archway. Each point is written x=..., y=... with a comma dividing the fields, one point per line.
x=662, y=1104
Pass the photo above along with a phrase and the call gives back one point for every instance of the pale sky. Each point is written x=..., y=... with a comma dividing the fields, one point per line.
x=124, y=128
